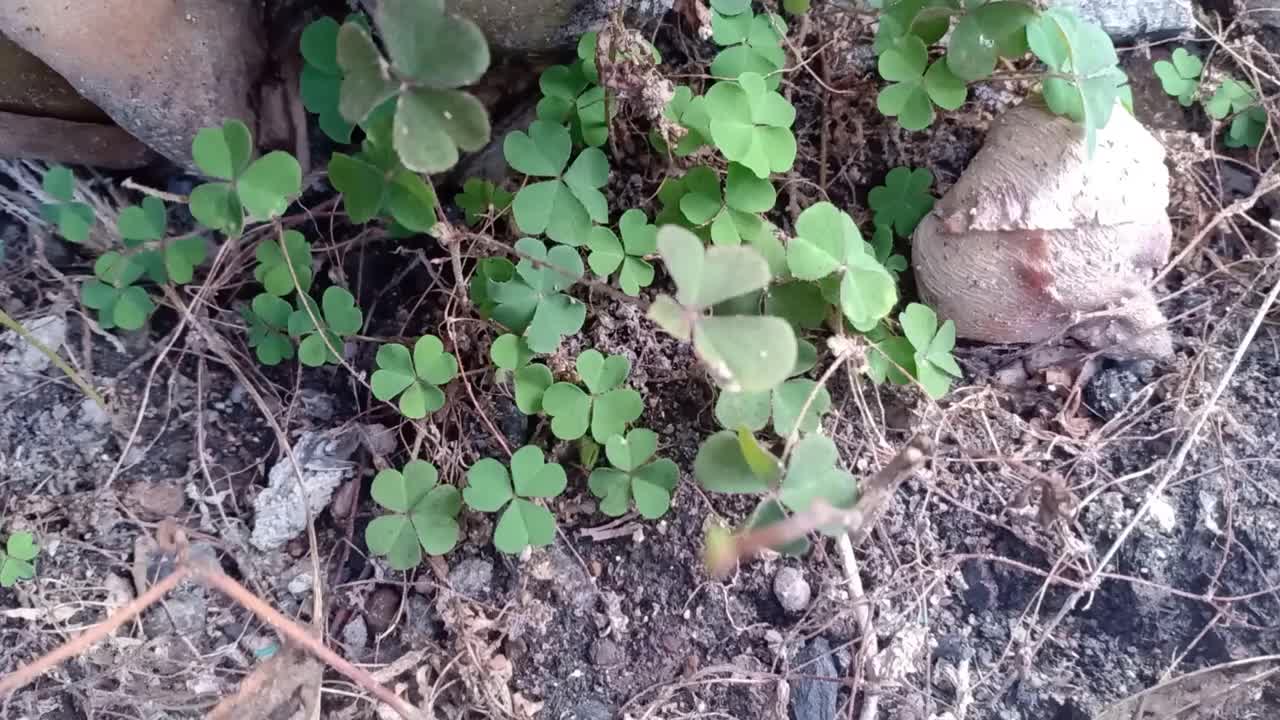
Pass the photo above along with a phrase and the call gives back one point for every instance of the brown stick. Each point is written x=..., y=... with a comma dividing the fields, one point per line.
x=721, y=558
x=87, y=639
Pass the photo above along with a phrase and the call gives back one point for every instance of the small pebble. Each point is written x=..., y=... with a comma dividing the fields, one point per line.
x=791, y=589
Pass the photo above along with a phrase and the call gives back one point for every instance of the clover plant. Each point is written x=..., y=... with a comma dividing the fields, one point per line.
x=320, y=83
x=73, y=218
x=17, y=560
x=480, y=198
x=1180, y=75
x=605, y=408
x=320, y=330
x=635, y=475
x=904, y=199
x=283, y=260
x=566, y=205
x=628, y=256
x=522, y=522
x=531, y=302
x=751, y=124
x=260, y=189
x=268, y=320
x=934, y=364
x=829, y=247
x=430, y=55
x=415, y=377
x=752, y=43
x=1248, y=117
x=423, y=515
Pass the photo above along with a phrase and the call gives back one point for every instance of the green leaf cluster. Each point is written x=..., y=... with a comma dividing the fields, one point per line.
x=829, y=248
x=571, y=98
x=903, y=200
x=374, y=182
x=742, y=352
x=751, y=124
x=728, y=214
x=142, y=230
x=522, y=522
x=120, y=303
x=628, y=256
x=916, y=84
x=321, y=330
x=415, y=377
x=1085, y=82
x=567, y=204
x=752, y=43
x=18, y=558
x=423, y=515
x=430, y=55
x=934, y=364
x=73, y=218
x=1180, y=75
x=481, y=198
x=1249, y=123
x=531, y=301
x=320, y=84
x=635, y=475
x=260, y=189
x=605, y=408
x=267, y=318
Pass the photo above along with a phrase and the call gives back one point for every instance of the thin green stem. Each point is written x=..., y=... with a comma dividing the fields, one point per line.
x=58, y=362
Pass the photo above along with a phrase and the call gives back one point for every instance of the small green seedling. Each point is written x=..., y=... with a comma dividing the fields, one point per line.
x=934, y=363
x=321, y=78
x=915, y=90
x=626, y=257
x=262, y=188
x=481, y=198
x=1180, y=75
x=276, y=272
x=569, y=97
x=903, y=200
x=690, y=111
x=510, y=352
x=415, y=378
x=1250, y=121
x=73, y=218
x=752, y=43
x=890, y=358
x=732, y=215
x=523, y=522
x=531, y=302
x=985, y=34
x=1085, y=82
x=113, y=294
x=431, y=54
x=337, y=318
x=751, y=124
x=423, y=515
x=268, y=320
x=633, y=476
x=827, y=244
x=18, y=558
x=605, y=409
x=566, y=205
x=743, y=352
x=374, y=182
x=176, y=260
x=531, y=383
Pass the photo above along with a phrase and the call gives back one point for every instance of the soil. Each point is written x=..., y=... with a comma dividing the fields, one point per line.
x=1032, y=487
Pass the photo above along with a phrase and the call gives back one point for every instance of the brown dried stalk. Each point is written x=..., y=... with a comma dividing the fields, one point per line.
x=859, y=520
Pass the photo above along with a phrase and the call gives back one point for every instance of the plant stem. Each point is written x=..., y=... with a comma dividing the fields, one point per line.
x=58, y=362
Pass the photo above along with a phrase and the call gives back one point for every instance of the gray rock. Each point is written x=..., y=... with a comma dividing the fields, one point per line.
x=280, y=511
x=537, y=25
x=355, y=635
x=791, y=589
x=1110, y=390
x=607, y=653
x=813, y=699
x=472, y=577
x=1129, y=19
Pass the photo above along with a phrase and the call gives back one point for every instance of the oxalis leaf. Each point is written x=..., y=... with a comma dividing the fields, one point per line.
x=633, y=476
x=531, y=302
x=734, y=462
x=985, y=34
x=914, y=89
x=813, y=474
x=262, y=188
x=827, y=241
x=480, y=198
x=17, y=560
x=276, y=271
x=754, y=45
x=751, y=124
x=423, y=515
x=268, y=319
x=1087, y=82
x=934, y=363
x=743, y=353
x=1180, y=75
x=73, y=219
x=903, y=200
x=605, y=409
x=321, y=77
x=522, y=523
x=414, y=377
x=567, y=205
x=628, y=256
x=338, y=317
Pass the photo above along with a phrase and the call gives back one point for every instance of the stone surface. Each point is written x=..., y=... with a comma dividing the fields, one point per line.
x=171, y=68
x=69, y=142
x=30, y=87
x=472, y=577
x=813, y=699
x=791, y=589
x=539, y=25
x=280, y=511
x=1130, y=19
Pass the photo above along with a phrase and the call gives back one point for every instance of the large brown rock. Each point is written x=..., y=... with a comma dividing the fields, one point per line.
x=1040, y=240
x=162, y=69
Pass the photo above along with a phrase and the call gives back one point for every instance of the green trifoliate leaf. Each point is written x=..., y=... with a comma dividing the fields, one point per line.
x=268, y=319
x=480, y=198
x=531, y=302
x=223, y=152
x=531, y=383
x=566, y=206
x=935, y=365
x=751, y=124
x=276, y=272
x=138, y=224
x=415, y=378
x=813, y=474
x=986, y=33
x=755, y=45
x=903, y=200
x=367, y=80
x=733, y=462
